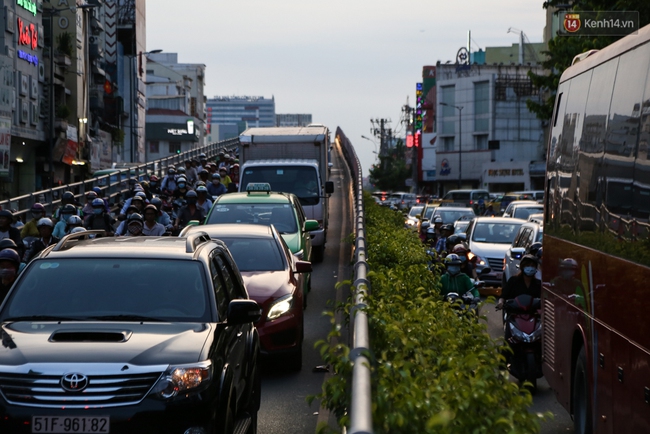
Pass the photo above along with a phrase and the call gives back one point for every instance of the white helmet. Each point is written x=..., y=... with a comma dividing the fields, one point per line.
x=77, y=229
x=45, y=222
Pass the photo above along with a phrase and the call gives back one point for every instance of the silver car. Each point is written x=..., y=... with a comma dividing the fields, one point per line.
x=529, y=233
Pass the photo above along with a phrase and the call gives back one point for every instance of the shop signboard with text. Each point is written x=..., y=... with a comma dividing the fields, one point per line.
x=5, y=145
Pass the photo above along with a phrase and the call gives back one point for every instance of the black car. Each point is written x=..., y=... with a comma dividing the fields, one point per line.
x=130, y=335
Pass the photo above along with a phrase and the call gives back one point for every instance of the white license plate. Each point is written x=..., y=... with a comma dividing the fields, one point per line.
x=70, y=424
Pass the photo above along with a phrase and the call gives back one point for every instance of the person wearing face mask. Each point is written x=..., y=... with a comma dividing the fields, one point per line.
x=455, y=281
x=523, y=283
x=189, y=212
x=99, y=219
x=45, y=228
x=30, y=230
x=182, y=188
x=467, y=266
x=60, y=229
x=151, y=227
x=9, y=264
x=216, y=188
x=134, y=225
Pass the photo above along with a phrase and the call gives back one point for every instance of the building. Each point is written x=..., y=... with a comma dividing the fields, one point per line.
x=228, y=116
x=292, y=120
x=485, y=136
x=195, y=74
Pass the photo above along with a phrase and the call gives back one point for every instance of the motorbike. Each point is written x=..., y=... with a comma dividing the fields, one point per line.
x=523, y=332
x=465, y=303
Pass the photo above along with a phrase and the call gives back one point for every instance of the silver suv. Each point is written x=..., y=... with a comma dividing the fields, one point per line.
x=529, y=233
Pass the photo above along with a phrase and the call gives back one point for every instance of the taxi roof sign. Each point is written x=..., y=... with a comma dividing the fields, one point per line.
x=258, y=187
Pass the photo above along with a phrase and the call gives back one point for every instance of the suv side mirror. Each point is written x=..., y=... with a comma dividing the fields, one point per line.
x=303, y=267
x=311, y=225
x=517, y=252
x=243, y=311
x=329, y=187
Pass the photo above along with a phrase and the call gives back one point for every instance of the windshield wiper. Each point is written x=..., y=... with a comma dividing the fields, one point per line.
x=41, y=318
x=126, y=318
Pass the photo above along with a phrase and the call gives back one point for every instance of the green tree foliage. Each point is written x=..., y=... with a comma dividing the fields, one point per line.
x=434, y=371
x=562, y=49
x=392, y=171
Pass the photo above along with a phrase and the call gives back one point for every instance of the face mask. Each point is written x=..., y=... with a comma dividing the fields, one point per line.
x=215, y=181
x=463, y=258
x=181, y=185
x=7, y=273
x=453, y=269
x=530, y=271
x=135, y=229
x=97, y=211
x=153, y=183
x=65, y=217
x=191, y=201
x=36, y=215
x=567, y=274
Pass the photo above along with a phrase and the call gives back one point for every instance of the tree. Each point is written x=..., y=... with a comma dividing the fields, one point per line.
x=391, y=173
x=562, y=49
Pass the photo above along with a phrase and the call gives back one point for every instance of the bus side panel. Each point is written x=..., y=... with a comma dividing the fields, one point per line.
x=639, y=381
x=601, y=393
x=620, y=374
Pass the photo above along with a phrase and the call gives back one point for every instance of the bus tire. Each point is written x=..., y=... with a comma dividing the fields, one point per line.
x=581, y=405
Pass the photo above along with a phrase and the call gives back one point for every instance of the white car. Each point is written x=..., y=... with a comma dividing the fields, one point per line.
x=411, y=220
x=529, y=233
x=524, y=207
x=489, y=238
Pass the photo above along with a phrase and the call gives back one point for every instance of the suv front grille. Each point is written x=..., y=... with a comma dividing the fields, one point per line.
x=102, y=391
x=495, y=264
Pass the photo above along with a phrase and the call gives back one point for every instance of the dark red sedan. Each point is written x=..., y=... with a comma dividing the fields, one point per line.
x=274, y=278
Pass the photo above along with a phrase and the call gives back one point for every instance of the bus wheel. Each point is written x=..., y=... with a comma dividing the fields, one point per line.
x=581, y=405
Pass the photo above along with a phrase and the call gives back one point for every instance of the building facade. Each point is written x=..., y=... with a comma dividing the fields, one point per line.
x=292, y=120
x=228, y=116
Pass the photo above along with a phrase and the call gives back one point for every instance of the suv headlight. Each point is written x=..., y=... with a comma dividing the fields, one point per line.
x=280, y=306
x=183, y=378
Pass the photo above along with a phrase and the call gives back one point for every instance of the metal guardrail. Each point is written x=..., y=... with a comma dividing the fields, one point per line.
x=361, y=394
x=114, y=184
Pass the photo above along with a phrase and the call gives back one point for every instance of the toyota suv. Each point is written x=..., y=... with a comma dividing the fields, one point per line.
x=129, y=335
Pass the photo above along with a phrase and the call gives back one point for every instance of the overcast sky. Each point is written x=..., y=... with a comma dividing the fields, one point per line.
x=343, y=61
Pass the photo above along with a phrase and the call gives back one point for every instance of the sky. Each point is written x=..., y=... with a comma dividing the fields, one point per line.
x=343, y=61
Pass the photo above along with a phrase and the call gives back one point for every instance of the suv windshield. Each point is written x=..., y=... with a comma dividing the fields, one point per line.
x=281, y=215
x=299, y=180
x=111, y=288
x=496, y=233
x=450, y=216
x=522, y=212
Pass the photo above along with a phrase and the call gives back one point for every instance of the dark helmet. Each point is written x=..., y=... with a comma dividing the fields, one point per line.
x=215, y=175
x=201, y=189
x=69, y=209
x=533, y=248
x=131, y=209
x=569, y=263
x=134, y=218
x=447, y=227
x=10, y=255
x=91, y=195
x=68, y=196
x=150, y=207
x=453, y=239
x=528, y=258
x=137, y=198
x=180, y=169
x=157, y=202
x=8, y=243
x=171, y=170
x=97, y=203
x=204, y=172
x=191, y=194
x=452, y=259
x=6, y=213
x=37, y=207
x=540, y=251
x=97, y=190
x=199, y=184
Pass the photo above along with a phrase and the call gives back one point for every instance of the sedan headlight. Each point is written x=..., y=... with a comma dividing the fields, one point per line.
x=183, y=378
x=280, y=306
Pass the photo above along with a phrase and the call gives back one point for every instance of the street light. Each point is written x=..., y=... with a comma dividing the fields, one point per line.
x=373, y=142
x=51, y=12
x=460, y=138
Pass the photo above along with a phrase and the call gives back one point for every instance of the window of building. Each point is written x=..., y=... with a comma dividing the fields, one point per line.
x=448, y=144
x=481, y=142
x=481, y=97
x=174, y=147
x=448, y=97
x=154, y=146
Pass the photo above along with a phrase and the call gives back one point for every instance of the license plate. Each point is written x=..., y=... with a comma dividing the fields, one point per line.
x=499, y=276
x=70, y=424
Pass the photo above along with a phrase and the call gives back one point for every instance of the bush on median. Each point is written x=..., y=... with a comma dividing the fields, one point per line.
x=433, y=370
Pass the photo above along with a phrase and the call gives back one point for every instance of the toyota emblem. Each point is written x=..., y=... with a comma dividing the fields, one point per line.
x=74, y=382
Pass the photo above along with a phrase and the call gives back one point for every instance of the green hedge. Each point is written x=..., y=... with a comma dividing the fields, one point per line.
x=433, y=370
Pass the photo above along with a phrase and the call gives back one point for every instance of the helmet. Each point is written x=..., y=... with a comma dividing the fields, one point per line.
x=527, y=258
x=75, y=220
x=222, y=153
x=10, y=255
x=77, y=229
x=134, y=218
x=533, y=248
x=201, y=189
x=148, y=207
x=569, y=263
x=204, y=172
x=202, y=156
x=132, y=209
x=67, y=195
x=236, y=165
x=223, y=168
x=181, y=169
x=216, y=176
x=171, y=170
x=45, y=222
x=190, y=194
x=144, y=184
x=539, y=253
x=141, y=194
x=459, y=248
x=137, y=198
x=181, y=178
x=447, y=227
x=8, y=243
x=91, y=195
x=226, y=156
x=96, y=203
x=69, y=209
x=453, y=240
x=437, y=219
x=199, y=184
x=37, y=207
x=153, y=178
x=452, y=259
x=157, y=202
x=6, y=213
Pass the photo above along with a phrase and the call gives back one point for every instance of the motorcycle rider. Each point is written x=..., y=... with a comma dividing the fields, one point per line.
x=216, y=188
x=163, y=217
x=467, y=265
x=524, y=282
x=134, y=225
x=454, y=280
x=67, y=198
x=154, y=184
x=182, y=188
x=60, y=227
x=150, y=226
x=30, y=229
x=169, y=181
x=99, y=219
x=203, y=201
x=88, y=206
x=191, y=211
x=45, y=229
x=441, y=244
x=8, y=231
x=9, y=265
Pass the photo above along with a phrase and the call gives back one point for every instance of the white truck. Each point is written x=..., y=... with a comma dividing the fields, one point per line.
x=293, y=160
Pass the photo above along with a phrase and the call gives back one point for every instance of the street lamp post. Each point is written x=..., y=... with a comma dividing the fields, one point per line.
x=460, y=140
x=373, y=142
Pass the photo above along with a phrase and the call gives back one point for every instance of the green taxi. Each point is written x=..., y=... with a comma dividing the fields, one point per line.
x=260, y=205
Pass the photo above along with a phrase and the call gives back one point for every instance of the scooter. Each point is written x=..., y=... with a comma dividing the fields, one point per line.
x=523, y=332
x=465, y=303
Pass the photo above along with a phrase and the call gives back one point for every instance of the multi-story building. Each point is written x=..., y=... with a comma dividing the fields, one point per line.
x=230, y=115
x=485, y=136
x=292, y=120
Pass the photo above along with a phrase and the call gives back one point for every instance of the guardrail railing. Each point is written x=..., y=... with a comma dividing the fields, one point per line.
x=114, y=184
x=361, y=394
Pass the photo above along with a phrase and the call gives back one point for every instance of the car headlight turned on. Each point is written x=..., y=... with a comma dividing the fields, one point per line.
x=280, y=306
x=180, y=379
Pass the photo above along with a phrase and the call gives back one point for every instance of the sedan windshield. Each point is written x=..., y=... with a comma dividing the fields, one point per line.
x=111, y=289
x=415, y=211
x=255, y=254
x=523, y=212
x=280, y=215
x=449, y=217
x=495, y=233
